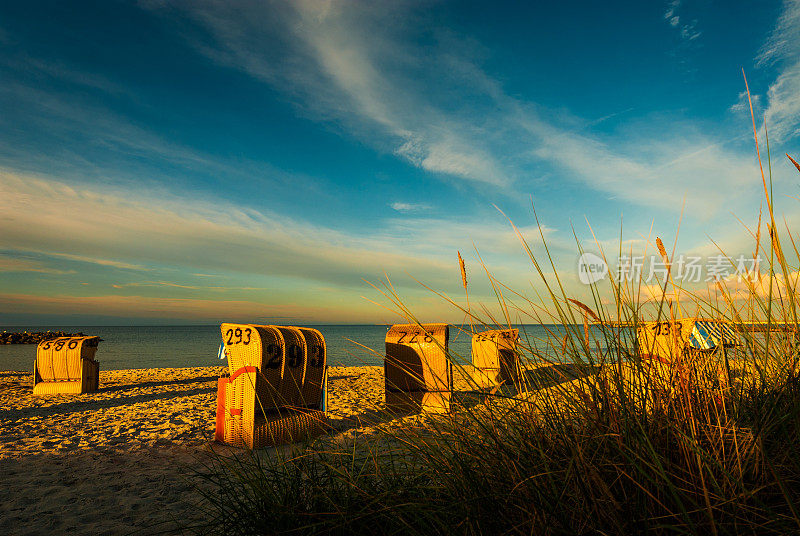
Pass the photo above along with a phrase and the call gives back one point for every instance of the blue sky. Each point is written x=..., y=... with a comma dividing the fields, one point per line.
x=259, y=161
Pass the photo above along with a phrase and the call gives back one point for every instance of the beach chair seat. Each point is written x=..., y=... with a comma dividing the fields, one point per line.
x=243, y=422
x=418, y=372
x=66, y=365
x=494, y=357
x=275, y=392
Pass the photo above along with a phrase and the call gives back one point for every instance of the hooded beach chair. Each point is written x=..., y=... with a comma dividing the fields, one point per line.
x=667, y=341
x=494, y=357
x=66, y=366
x=275, y=393
x=687, y=346
x=418, y=372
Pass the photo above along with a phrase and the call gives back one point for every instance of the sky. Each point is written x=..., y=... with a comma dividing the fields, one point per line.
x=283, y=162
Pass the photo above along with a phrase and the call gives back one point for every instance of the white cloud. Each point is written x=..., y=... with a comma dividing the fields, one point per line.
x=671, y=7
x=783, y=97
x=687, y=31
x=409, y=207
x=136, y=231
x=326, y=55
x=743, y=105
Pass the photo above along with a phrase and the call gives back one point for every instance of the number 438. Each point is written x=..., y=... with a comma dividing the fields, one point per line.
x=666, y=328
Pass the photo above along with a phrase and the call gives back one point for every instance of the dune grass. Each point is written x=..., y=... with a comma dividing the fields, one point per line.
x=614, y=448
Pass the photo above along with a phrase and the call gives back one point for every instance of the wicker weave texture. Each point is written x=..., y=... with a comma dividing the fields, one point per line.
x=664, y=340
x=276, y=393
x=66, y=365
x=317, y=356
x=58, y=388
x=60, y=359
x=295, y=359
x=416, y=361
x=246, y=425
x=494, y=356
x=261, y=347
x=287, y=426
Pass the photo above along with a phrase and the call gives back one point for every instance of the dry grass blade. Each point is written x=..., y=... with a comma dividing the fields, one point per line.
x=793, y=161
x=586, y=309
x=463, y=270
x=601, y=439
x=662, y=250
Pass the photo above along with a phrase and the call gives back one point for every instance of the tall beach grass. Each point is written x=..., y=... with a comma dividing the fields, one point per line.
x=595, y=439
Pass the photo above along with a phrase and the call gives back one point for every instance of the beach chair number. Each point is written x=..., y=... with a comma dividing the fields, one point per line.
x=493, y=336
x=295, y=356
x=663, y=328
x=72, y=345
x=275, y=360
x=414, y=336
x=239, y=334
x=316, y=361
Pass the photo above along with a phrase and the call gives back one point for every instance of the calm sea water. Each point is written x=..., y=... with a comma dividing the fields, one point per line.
x=191, y=346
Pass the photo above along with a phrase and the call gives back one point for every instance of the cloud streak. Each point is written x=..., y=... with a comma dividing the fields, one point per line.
x=327, y=59
x=132, y=232
x=783, y=97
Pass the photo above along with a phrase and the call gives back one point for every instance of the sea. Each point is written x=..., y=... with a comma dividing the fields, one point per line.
x=132, y=347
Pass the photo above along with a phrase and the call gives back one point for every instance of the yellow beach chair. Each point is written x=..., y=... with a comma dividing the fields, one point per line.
x=66, y=366
x=275, y=392
x=668, y=341
x=685, y=347
x=494, y=357
x=418, y=372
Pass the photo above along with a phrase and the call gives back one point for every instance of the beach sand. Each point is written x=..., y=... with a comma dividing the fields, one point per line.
x=116, y=461
x=119, y=461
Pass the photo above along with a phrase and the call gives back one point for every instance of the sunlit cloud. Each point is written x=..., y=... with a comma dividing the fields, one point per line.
x=339, y=71
x=11, y=264
x=783, y=96
x=171, y=308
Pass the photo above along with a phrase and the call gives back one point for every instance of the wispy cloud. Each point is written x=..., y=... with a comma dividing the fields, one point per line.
x=172, y=284
x=321, y=53
x=123, y=229
x=688, y=31
x=783, y=97
x=399, y=206
x=12, y=264
x=99, y=261
x=324, y=56
x=170, y=308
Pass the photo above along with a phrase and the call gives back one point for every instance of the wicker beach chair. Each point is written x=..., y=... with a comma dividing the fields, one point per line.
x=698, y=345
x=494, y=357
x=418, y=372
x=66, y=366
x=668, y=341
x=275, y=392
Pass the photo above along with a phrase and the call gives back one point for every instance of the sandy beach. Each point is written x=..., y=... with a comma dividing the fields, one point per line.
x=119, y=461
x=116, y=461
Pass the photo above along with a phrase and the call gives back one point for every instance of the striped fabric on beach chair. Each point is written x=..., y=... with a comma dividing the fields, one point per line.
x=666, y=341
x=275, y=392
x=494, y=357
x=66, y=366
x=417, y=369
